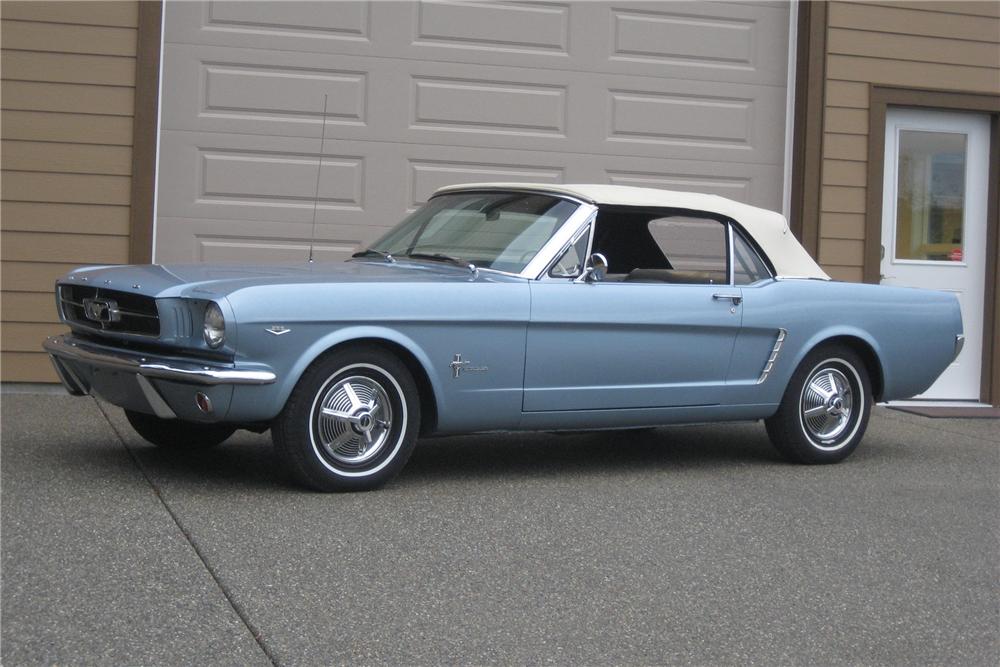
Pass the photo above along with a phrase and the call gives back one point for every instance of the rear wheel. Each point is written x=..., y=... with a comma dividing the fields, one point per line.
x=825, y=409
x=351, y=422
x=177, y=434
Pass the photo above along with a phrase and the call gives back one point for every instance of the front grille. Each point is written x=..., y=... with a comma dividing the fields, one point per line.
x=109, y=310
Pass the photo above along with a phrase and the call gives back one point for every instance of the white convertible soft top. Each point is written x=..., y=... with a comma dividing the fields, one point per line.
x=769, y=229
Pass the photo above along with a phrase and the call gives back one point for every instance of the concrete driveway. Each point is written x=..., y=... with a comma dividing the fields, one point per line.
x=683, y=545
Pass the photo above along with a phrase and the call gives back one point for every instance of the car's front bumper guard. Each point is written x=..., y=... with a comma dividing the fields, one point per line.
x=64, y=348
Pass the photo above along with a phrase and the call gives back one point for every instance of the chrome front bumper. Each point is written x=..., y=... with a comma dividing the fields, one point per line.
x=80, y=365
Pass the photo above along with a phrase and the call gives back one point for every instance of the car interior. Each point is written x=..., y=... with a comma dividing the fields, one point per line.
x=657, y=246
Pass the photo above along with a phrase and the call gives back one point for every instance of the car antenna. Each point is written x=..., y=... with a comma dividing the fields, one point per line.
x=319, y=171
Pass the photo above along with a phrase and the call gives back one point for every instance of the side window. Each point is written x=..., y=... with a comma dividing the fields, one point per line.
x=571, y=264
x=662, y=246
x=695, y=248
x=748, y=267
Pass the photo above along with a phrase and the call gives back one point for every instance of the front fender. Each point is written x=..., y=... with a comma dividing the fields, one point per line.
x=257, y=404
x=286, y=384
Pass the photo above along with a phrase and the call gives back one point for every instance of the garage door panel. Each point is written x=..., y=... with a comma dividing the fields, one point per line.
x=281, y=94
x=753, y=184
x=274, y=178
x=266, y=90
x=707, y=41
x=687, y=96
x=280, y=178
x=748, y=183
x=322, y=27
x=261, y=92
x=262, y=241
x=426, y=175
x=231, y=176
x=521, y=28
x=727, y=42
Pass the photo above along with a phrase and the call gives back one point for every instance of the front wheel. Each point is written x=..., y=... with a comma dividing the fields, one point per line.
x=351, y=422
x=825, y=409
x=177, y=434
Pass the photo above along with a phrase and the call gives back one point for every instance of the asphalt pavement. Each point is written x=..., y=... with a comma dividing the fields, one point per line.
x=682, y=545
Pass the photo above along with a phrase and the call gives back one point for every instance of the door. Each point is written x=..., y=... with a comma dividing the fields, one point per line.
x=934, y=223
x=616, y=345
x=657, y=332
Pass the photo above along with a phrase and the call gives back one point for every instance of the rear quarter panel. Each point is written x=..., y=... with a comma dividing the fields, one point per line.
x=912, y=333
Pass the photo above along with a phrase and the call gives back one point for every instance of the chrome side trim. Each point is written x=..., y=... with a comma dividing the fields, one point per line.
x=782, y=277
x=732, y=254
x=782, y=333
x=160, y=407
x=959, y=344
x=63, y=347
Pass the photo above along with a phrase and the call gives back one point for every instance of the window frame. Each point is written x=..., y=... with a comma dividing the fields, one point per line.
x=736, y=228
x=732, y=227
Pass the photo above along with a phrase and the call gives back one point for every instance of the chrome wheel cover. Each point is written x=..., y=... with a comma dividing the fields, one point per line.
x=353, y=420
x=827, y=404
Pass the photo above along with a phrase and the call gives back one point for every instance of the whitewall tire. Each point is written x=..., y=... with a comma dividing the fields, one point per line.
x=825, y=408
x=351, y=422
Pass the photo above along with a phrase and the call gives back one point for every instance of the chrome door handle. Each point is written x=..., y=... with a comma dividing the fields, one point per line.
x=737, y=299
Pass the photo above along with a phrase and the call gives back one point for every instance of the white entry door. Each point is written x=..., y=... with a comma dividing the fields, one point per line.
x=934, y=223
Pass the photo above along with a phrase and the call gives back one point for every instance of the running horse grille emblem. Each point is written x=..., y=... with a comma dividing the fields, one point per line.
x=101, y=310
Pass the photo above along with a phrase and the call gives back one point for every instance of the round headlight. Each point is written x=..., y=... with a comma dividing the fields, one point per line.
x=215, y=325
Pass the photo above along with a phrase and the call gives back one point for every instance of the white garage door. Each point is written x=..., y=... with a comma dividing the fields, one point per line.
x=420, y=95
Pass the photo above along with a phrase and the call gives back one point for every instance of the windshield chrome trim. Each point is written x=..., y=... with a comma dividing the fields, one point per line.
x=554, y=247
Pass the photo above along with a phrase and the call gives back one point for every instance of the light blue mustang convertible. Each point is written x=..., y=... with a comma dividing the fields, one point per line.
x=506, y=307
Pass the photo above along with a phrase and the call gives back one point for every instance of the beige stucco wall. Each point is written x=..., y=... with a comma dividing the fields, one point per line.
x=953, y=46
x=68, y=80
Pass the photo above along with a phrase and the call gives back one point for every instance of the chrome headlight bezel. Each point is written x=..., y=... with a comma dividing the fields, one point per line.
x=214, y=326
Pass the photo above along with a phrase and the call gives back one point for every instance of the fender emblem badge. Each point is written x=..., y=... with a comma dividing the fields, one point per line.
x=277, y=330
x=458, y=365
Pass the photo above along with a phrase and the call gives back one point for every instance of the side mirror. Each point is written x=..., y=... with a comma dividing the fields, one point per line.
x=595, y=270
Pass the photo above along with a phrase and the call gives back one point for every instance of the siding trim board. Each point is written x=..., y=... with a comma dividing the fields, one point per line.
x=808, y=130
x=991, y=319
x=145, y=132
x=882, y=97
x=68, y=81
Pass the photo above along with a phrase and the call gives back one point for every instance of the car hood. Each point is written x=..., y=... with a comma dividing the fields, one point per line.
x=212, y=280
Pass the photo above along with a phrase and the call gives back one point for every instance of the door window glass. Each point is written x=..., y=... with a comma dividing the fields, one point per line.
x=748, y=267
x=659, y=247
x=571, y=264
x=930, y=196
x=696, y=246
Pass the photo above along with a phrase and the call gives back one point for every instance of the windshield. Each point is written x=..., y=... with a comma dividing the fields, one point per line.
x=501, y=231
